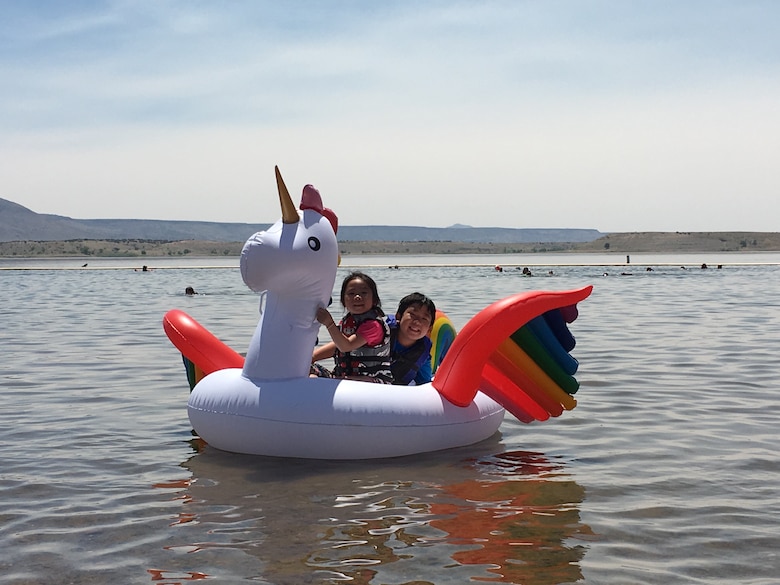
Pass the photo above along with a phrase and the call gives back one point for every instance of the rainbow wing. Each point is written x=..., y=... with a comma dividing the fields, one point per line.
x=202, y=352
x=517, y=352
x=442, y=336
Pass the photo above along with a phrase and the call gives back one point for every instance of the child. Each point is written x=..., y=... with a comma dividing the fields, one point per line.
x=361, y=341
x=410, y=345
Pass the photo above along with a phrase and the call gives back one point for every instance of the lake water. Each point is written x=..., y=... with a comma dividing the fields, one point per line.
x=668, y=471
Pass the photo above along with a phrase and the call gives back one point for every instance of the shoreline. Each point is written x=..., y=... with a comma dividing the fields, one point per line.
x=618, y=244
x=509, y=263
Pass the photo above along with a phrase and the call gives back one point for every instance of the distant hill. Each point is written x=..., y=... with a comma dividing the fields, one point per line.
x=17, y=223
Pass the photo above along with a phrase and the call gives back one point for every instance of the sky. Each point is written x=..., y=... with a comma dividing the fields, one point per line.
x=617, y=115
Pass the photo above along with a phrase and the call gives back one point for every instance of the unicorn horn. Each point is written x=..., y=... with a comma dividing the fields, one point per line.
x=289, y=213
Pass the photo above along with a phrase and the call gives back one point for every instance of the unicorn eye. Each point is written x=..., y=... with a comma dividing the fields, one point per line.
x=314, y=243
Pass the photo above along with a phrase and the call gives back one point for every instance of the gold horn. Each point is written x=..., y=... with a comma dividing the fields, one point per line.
x=289, y=213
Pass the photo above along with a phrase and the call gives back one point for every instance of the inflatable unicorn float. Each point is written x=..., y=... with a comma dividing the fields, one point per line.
x=513, y=355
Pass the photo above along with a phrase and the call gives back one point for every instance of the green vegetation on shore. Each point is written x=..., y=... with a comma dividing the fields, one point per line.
x=618, y=243
x=118, y=248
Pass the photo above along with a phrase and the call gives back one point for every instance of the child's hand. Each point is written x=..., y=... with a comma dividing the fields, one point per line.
x=324, y=317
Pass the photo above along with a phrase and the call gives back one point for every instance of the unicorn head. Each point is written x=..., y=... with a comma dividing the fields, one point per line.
x=293, y=263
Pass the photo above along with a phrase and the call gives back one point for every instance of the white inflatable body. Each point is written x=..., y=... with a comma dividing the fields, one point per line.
x=333, y=419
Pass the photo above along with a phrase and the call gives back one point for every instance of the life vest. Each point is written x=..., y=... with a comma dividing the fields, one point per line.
x=406, y=363
x=372, y=361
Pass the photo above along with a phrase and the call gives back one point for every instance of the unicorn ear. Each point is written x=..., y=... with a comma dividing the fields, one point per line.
x=289, y=213
x=311, y=199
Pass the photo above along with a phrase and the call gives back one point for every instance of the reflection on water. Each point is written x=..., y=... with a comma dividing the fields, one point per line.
x=455, y=516
x=522, y=512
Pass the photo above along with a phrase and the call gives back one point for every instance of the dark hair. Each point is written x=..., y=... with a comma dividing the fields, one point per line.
x=365, y=278
x=416, y=298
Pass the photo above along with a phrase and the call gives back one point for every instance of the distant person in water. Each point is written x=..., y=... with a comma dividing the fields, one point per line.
x=189, y=291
